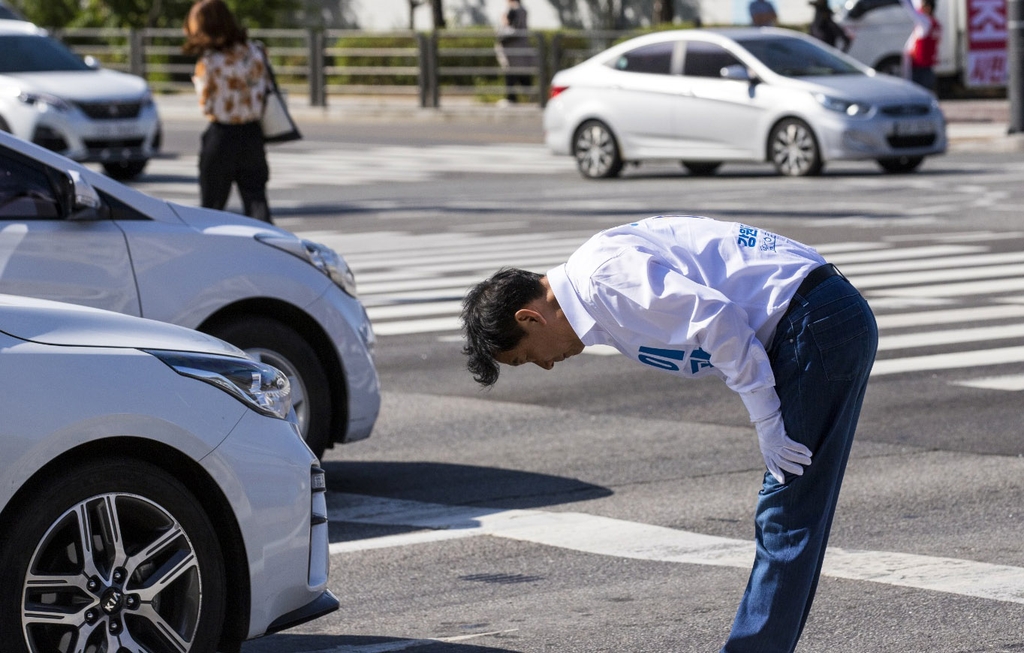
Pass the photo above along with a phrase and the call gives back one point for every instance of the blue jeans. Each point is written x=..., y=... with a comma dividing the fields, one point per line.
x=821, y=354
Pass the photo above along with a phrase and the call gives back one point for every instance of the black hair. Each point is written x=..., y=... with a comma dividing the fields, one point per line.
x=489, y=318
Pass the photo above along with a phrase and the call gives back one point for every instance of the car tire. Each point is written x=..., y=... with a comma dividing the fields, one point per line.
x=890, y=66
x=596, y=151
x=899, y=165
x=125, y=170
x=702, y=168
x=793, y=149
x=277, y=344
x=114, y=546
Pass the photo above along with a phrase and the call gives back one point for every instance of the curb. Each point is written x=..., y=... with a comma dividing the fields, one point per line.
x=972, y=125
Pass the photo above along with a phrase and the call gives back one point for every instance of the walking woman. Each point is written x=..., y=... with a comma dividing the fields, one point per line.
x=232, y=82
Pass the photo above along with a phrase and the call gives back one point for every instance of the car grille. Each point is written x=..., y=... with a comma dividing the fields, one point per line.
x=110, y=110
x=903, y=110
x=903, y=142
x=120, y=149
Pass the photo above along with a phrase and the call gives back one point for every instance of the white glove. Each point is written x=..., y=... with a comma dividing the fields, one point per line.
x=780, y=453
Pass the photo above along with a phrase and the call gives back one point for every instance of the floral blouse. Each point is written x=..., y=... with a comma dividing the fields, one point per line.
x=232, y=83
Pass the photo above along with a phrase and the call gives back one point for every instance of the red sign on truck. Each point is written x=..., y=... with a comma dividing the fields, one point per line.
x=986, y=43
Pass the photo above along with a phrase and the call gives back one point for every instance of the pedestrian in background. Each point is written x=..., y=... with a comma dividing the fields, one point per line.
x=231, y=80
x=826, y=29
x=921, y=52
x=512, y=50
x=762, y=13
x=695, y=297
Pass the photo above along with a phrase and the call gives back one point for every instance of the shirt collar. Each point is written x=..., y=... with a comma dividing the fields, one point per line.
x=569, y=301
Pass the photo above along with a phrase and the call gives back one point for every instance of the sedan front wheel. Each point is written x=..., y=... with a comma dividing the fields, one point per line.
x=793, y=149
x=111, y=555
x=597, y=153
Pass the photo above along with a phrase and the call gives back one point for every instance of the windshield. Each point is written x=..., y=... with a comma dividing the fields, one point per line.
x=26, y=53
x=797, y=58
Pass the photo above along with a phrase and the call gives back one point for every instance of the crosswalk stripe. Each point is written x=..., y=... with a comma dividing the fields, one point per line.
x=950, y=337
x=867, y=282
x=955, y=360
x=967, y=289
x=1010, y=382
x=926, y=318
x=855, y=269
x=638, y=541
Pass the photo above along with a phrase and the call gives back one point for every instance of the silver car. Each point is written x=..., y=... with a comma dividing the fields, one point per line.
x=705, y=97
x=50, y=96
x=71, y=234
x=154, y=493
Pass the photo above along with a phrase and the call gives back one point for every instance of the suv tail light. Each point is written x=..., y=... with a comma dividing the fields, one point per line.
x=556, y=91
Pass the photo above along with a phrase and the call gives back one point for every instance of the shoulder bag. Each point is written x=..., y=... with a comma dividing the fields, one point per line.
x=277, y=123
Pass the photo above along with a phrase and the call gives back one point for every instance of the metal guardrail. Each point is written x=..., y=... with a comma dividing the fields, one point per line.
x=322, y=63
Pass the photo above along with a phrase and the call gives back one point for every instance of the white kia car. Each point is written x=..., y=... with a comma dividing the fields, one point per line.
x=154, y=494
x=705, y=97
x=71, y=234
x=50, y=96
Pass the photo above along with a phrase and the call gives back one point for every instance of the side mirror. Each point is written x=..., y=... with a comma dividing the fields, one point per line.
x=738, y=73
x=85, y=201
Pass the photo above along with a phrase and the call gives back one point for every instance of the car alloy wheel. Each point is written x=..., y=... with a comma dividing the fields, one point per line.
x=596, y=152
x=274, y=343
x=114, y=555
x=793, y=149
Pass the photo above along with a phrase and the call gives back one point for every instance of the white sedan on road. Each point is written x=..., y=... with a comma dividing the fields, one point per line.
x=71, y=234
x=50, y=96
x=704, y=97
x=154, y=494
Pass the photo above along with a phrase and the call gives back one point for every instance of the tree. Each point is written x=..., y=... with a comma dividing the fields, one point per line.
x=52, y=13
x=664, y=11
x=438, y=11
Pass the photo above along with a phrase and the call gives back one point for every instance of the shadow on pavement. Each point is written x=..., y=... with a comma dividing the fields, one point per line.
x=461, y=485
x=353, y=644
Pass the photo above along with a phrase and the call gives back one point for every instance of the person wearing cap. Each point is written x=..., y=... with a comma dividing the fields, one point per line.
x=696, y=297
x=762, y=13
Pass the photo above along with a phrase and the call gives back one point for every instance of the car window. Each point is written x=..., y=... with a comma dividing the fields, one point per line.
x=857, y=8
x=655, y=58
x=26, y=192
x=793, y=57
x=706, y=59
x=26, y=53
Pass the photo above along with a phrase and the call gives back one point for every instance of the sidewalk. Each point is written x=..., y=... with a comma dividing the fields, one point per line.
x=972, y=125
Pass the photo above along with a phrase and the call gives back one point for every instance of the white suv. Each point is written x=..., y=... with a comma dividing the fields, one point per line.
x=50, y=96
x=71, y=234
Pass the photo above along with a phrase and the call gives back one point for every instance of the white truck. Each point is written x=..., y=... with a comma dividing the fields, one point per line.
x=972, y=49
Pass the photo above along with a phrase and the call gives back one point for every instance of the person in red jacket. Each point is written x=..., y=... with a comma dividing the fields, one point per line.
x=922, y=50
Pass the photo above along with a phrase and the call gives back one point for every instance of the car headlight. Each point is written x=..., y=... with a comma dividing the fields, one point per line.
x=321, y=257
x=43, y=100
x=259, y=386
x=852, y=109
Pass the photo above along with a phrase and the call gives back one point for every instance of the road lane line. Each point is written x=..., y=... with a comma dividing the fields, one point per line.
x=625, y=539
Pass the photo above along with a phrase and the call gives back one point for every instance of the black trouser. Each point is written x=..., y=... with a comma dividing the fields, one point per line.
x=234, y=154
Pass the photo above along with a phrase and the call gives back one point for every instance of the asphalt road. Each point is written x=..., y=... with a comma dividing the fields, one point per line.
x=569, y=510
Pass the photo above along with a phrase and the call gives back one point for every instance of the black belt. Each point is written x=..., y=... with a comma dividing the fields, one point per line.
x=816, y=277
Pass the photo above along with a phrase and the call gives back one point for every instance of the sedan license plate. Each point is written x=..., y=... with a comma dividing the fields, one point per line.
x=912, y=128
x=116, y=129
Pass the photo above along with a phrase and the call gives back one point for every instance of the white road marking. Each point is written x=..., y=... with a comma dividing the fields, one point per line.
x=406, y=644
x=625, y=539
x=950, y=337
x=1009, y=382
x=954, y=360
x=948, y=316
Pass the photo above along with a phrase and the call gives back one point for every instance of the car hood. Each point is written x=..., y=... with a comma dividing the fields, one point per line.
x=56, y=323
x=880, y=89
x=81, y=85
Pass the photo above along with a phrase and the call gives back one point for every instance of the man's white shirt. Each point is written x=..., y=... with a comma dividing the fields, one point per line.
x=688, y=295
